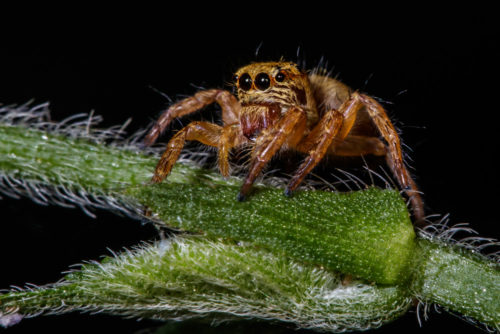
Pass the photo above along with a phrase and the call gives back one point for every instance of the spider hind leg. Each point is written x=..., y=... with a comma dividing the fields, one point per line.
x=394, y=156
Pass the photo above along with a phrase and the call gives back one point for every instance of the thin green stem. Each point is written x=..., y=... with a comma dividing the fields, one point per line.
x=459, y=280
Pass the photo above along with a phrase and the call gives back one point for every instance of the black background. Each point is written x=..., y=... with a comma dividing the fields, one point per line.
x=438, y=71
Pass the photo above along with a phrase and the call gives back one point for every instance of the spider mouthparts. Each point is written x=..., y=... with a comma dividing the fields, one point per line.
x=241, y=197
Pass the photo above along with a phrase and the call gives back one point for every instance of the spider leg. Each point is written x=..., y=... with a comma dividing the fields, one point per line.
x=268, y=143
x=207, y=133
x=354, y=146
x=230, y=137
x=228, y=103
x=321, y=137
x=394, y=155
x=333, y=127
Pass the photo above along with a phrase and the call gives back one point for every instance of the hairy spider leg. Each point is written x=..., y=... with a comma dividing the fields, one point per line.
x=354, y=146
x=228, y=103
x=291, y=125
x=333, y=127
x=394, y=155
x=207, y=133
x=230, y=137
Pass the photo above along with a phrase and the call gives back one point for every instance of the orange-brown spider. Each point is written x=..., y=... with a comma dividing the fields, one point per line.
x=280, y=107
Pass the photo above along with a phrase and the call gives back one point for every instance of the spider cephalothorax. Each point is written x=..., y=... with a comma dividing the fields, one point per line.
x=280, y=107
x=267, y=90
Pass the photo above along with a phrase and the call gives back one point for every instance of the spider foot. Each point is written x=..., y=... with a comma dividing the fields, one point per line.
x=288, y=192
x=241, y=197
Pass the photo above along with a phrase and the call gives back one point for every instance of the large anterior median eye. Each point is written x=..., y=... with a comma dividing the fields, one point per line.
x=262, y=81
x=245, y=81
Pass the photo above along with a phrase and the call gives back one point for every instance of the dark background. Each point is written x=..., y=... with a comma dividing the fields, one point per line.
x=438, y=72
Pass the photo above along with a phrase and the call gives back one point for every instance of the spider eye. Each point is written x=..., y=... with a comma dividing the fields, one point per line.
x=262, y=81
x=245, y=81
x=235, y=78
x=280, y=77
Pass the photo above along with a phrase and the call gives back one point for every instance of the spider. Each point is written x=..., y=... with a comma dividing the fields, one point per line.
x=280, y=107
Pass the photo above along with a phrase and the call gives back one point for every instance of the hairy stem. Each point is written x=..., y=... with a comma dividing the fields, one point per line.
x=459, y=280
x=191, y=278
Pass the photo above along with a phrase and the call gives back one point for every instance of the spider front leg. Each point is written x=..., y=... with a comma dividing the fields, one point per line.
x=292, y=124
x=228, y=103
x=230, y=137
x=333, y=127
x=224, y=138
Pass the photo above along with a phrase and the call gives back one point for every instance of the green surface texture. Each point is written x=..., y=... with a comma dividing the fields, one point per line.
x=366, y=234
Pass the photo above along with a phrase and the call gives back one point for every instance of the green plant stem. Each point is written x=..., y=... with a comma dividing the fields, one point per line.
x=192, y=277
x=459, y=280
x=367, y=234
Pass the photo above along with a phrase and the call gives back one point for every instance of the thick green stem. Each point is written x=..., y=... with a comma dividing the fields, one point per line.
x=366, y=233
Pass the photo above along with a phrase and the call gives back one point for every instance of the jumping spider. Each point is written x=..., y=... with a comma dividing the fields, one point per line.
x=279, y=107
